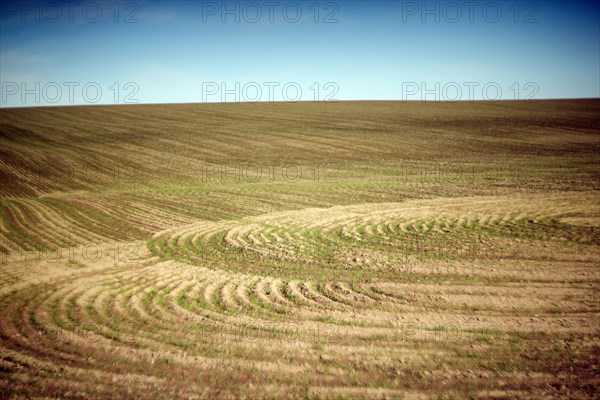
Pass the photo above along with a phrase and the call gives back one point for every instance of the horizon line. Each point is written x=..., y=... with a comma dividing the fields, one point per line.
x=304, y=102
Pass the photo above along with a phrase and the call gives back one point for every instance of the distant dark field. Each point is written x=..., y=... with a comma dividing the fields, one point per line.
x=320, y=250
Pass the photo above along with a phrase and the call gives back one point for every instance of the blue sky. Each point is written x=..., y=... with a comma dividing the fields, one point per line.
x=97, y=52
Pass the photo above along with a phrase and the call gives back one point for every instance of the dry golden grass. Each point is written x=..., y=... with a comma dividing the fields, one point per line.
x=347, y=250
